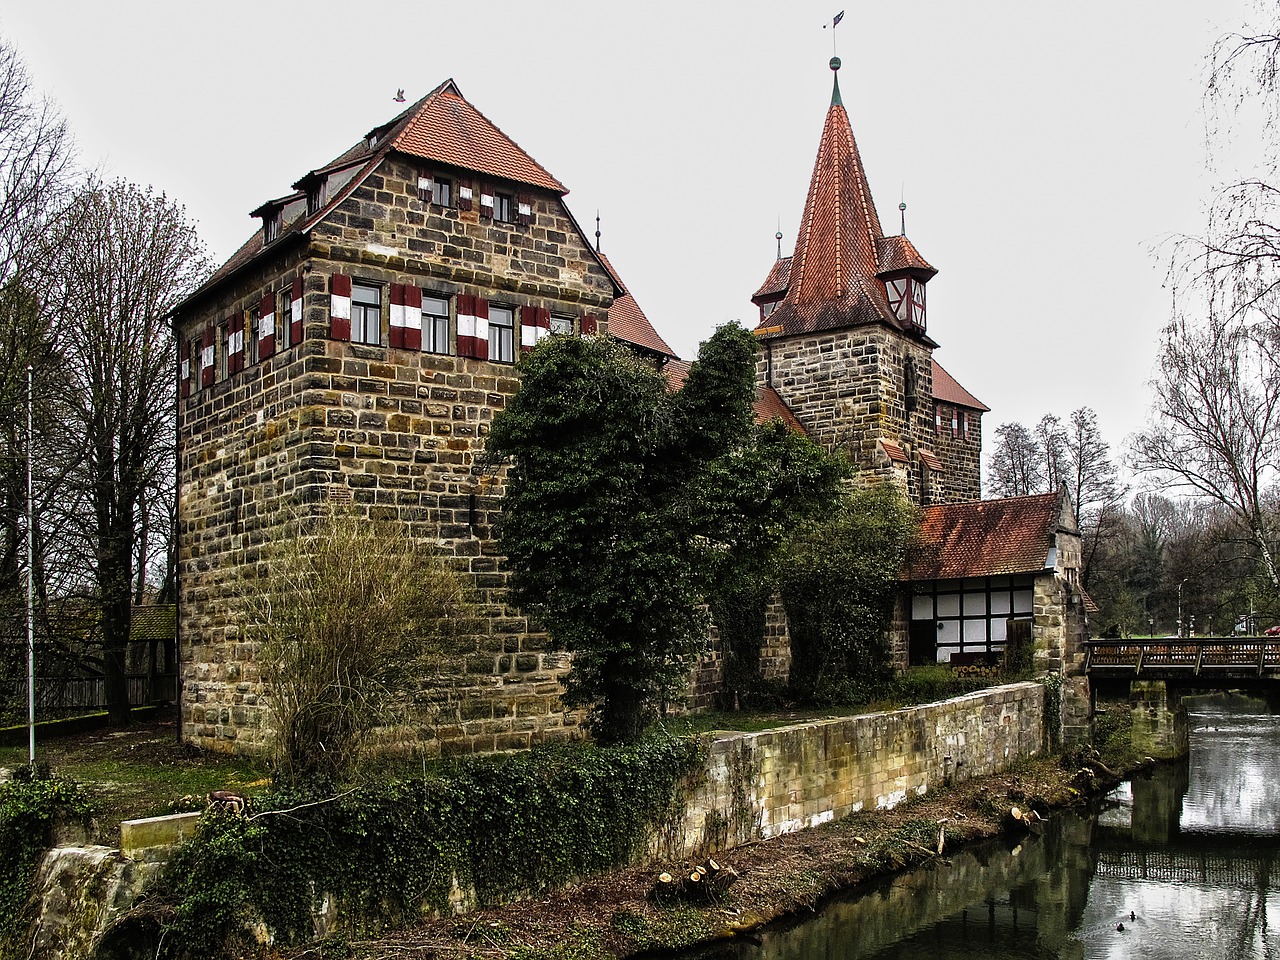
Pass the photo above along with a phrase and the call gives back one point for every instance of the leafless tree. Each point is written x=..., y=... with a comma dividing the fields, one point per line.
x=35, y=164
x=350, y=614
x=1216, y=427
x=1014, y=468
x=1092, y=480
x=1051, y=438
x=125, y=257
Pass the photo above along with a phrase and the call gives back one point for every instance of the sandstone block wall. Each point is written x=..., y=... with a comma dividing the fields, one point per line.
x=396, y=433
x=760, y=785
x=850, y=389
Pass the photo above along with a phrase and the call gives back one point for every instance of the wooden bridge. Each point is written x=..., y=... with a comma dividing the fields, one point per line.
x=1200, y=661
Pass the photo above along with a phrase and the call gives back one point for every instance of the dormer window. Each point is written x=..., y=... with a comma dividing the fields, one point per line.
x=767, y=308
x=272, y=223
x=906, y=300
x=317, y=194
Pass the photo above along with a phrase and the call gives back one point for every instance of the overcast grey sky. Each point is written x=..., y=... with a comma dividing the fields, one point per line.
x=1045, y=151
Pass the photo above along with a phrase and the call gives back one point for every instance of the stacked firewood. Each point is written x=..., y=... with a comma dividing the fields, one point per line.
x=708, y=880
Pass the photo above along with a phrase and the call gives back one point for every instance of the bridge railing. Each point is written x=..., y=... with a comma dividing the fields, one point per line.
x=1195, y=656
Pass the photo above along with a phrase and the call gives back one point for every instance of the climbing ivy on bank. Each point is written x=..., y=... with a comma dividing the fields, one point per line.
x=30, y=805
x=502, y=825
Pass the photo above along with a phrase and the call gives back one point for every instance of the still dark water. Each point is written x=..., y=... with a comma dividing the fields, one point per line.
x=1188, y=851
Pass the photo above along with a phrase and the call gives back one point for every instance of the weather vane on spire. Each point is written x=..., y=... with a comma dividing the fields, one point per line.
x=835, y=22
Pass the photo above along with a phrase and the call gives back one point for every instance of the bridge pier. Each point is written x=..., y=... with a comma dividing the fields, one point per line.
x=1159, y=720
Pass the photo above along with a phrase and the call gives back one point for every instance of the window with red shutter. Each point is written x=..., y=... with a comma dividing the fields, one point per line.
x=340, y=307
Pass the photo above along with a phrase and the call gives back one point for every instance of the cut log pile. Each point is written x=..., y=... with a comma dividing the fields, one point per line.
x=694, y=881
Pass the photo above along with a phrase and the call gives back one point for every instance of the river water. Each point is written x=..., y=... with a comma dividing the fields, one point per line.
x=1172, y=865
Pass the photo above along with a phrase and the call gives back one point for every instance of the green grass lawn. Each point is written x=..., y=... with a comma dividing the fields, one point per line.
x=140, y=771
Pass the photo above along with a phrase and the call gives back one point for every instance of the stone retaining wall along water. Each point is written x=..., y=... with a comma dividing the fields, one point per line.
x=760, y=785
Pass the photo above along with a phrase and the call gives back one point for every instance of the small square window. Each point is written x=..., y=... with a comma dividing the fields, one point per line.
x=366, y=313
x=503, y=207
x=435, y=324
x=502, y=334
x=442, y=192
x=561, y=325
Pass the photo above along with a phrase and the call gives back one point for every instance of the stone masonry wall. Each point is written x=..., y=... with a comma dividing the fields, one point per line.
x=760, y=785
x=861, y=374
x=961, y=456
x=396, y=433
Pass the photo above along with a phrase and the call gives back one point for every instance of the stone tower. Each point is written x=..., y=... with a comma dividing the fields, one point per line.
x=843, y=325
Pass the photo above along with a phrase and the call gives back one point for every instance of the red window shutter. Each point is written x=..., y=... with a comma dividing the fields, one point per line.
x=267, y=335
x=184, y=376
x=397, y=315
x=413, y=318
x=340, y=307
x=588, y=324
x=544, y=319
x=482, y=343
x=524, y=209
x=528, y=329
x=486, y=211
x=295, y=312
x=206, y=357
x=465, y=188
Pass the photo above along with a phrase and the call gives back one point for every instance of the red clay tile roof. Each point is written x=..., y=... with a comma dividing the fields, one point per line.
x=930, y=461
x=986, y=538
x=445, y=128
x=948, y=390
x=899, y=253
x=776, y=282
x=894, y=452
x=832, y=280
x=442, y=127
x=628, y=322
x=769, y=405
x=676, y=373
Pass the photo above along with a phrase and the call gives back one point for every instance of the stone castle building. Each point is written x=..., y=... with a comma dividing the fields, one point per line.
x=354, y=350
x=358, y=345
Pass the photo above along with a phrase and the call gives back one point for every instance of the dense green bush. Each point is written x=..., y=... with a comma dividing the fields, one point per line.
x=30, y=805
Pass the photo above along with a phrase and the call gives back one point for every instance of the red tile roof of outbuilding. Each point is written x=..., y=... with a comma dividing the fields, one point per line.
x=986, y=538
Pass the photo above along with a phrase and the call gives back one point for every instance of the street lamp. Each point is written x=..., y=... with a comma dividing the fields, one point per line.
x=1184, y=580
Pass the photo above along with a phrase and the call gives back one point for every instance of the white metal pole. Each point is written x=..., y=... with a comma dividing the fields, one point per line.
x=31, y=629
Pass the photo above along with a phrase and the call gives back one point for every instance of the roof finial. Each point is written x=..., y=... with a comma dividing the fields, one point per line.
x=597, y=231
x=778, y=235
x=835, y=82
x=902, y=208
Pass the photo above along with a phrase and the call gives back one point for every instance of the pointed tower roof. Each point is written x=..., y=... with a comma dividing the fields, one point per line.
x=834, y=280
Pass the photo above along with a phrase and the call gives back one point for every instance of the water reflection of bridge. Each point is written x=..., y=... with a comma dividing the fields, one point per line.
x=1233, y=871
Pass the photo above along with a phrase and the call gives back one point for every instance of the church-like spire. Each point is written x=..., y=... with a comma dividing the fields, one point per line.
x=835, y=276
